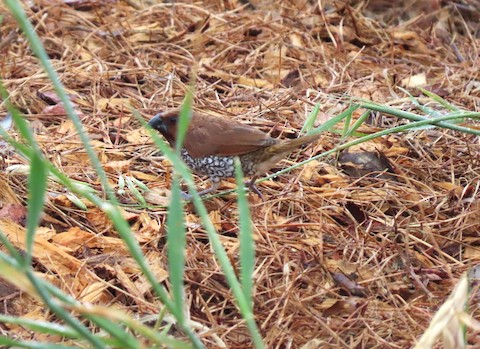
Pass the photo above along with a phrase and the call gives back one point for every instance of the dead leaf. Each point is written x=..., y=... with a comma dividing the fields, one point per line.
x=117, y=166
x=418, y=80
x=49, y=256
x=15, y=212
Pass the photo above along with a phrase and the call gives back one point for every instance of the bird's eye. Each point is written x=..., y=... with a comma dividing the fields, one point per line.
x=173, y=120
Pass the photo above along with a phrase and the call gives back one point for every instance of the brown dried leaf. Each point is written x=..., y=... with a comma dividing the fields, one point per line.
x=75, y=238
x=216, y=219
x=51, y=257
x=16, y=212
x=121, y=166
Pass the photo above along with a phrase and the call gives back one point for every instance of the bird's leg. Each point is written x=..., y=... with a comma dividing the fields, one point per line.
x=251, y=185
x=213, y=187
x=215, y=184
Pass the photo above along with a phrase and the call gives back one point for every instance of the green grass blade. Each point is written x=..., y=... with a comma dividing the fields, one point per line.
x=37, y=185
x=176, y=233
x=222, y=257
x=247, y=247
x=184, y=119
x=439, y=100
x=135, y=192
x=176, y=247
x=308, y=124
x=326, y=126
x=182, y=169
x=44, y=327
x=442, y=121
x=27, y=280
x=76, y=201
x=74, y=323
x=9, y=342
x=114, y=328
x=428, y=111
x=37, y=178
x=36, y=196
x=346, y=125
x=357, y=124
x=112, y=211
x=139, y=184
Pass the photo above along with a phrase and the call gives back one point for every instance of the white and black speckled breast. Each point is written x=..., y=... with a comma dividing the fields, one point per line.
x=217, y=167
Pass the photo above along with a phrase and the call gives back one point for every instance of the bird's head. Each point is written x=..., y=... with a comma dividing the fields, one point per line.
x=166, y=124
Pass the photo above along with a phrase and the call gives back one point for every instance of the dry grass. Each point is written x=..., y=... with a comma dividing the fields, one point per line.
x=341, y=261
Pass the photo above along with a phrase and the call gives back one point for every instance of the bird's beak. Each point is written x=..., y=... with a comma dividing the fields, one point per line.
x=157, y=123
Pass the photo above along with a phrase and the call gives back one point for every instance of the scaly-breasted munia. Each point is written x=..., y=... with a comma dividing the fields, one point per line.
x=211, y=143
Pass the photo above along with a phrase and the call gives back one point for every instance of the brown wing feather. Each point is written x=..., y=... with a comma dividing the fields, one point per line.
x=210, y=135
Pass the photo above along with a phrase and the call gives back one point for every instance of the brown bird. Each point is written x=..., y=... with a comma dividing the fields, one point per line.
x=211, y=143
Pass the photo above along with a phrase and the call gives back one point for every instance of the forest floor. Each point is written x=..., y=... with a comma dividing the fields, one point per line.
x=348, y=253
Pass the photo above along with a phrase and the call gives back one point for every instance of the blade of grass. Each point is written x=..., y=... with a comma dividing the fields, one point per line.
x=111, y=209
x=346, y=125
x=139, y=184
x=224, y=261
x=176, y=236
x=247, y=247
x=439, y=100
x=326, y=126
x=176, y=246
x=37, y=179
x=108, y=319
x=8, y=342
x=440, y=121
x=135, y=192
x=37, y=48
x=73, y=322
x=123, y=229
x=37, y=185
x=351, y=131
x=308, y=124
x=25, y=279
x=44, y=327
x=144, y=332
x=429, y=111
x=184, y=120
x=76, y=201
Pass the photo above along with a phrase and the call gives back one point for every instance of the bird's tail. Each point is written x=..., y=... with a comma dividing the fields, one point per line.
x=290, y=145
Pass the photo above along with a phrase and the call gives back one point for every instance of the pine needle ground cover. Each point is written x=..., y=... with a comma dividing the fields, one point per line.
x=358, y=248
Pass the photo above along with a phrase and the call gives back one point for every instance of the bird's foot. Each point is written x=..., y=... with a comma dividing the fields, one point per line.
x=186, y=196
x=251, y=185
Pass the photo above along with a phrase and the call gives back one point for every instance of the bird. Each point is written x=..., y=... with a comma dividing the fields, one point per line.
x=211, y=144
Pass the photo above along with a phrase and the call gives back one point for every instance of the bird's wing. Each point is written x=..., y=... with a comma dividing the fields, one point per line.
x=225, y=138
